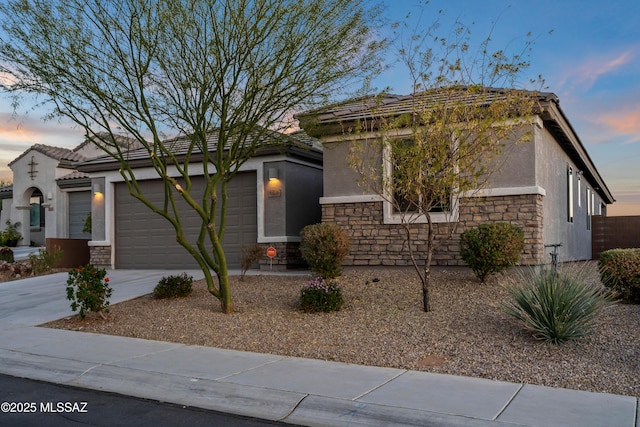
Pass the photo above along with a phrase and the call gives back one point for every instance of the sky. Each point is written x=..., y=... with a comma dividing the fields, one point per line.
x=587, y=51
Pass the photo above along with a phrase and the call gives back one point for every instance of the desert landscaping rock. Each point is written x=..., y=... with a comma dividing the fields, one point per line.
x=382, y=324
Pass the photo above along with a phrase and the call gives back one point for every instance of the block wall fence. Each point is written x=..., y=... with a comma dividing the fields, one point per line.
x=374, y=243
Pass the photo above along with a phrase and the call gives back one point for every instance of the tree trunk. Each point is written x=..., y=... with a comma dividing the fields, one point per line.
x=426, y=283
x=225, y=298
x=426, y=277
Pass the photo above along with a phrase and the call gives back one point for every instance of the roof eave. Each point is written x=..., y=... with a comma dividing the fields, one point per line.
x=310, y=154
x=557, y=123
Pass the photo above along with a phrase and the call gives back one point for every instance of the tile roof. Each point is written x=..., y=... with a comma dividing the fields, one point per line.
x=6, y=191
x=56, y=153
x=389, y=104
x=73, y=175
x=121, y=140
x=179, y=146
x=324, y=121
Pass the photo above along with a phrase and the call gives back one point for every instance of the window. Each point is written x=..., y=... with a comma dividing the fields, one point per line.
x=570, y=194
x=412, y=203
x=579, y=191
x=589, y=208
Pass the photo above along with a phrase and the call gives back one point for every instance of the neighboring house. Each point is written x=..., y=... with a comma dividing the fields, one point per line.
x=48, y=197
x=548, y=186
x=271, y=199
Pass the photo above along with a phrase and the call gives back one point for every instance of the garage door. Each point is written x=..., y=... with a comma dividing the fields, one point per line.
x=79, y=209
x=145, y=240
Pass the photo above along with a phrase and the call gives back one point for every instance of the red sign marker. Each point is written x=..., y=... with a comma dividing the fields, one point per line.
x=271, y=251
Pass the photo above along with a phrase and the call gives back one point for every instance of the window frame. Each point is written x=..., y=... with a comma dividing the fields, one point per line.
x=570, y=195
x=589, y=207
x=392, y=216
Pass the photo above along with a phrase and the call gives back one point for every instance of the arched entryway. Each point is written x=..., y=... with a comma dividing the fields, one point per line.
x=37, y=221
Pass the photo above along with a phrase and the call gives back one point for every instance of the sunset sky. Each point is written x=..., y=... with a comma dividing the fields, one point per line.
x=591, y=60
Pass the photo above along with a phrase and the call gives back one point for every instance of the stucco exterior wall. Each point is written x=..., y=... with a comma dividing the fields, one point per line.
x=515, y=167
x=305, y=189
x=290, y=203
x=24, y=184
x=5, y=211
x=339, y=179
x=552, y=165
x=291, y=200
x=535, y=168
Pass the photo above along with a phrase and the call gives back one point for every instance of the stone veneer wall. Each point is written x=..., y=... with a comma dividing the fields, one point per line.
x=375, y=243
x=100, y=256
x=287, y=256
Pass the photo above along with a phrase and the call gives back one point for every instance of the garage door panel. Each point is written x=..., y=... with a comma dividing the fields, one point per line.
x=147, y=240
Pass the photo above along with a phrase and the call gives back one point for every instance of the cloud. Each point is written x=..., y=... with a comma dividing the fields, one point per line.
x=625, y=122
x=28, y=126
x=18, y=133
x=583, y=75
x=6, y=79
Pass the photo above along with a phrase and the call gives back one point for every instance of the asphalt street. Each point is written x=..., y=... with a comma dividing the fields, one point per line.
x=34, y=403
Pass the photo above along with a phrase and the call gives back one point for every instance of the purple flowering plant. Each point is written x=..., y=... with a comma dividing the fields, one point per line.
x=320, y=294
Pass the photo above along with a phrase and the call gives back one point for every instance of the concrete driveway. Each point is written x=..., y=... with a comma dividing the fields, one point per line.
x=36, y=300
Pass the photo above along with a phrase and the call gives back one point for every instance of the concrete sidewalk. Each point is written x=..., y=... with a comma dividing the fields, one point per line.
x=293, y=390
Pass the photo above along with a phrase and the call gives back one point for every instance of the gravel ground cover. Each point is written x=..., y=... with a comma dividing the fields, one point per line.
x=382, y=324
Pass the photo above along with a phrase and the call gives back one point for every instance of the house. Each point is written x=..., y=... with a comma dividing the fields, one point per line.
x=48, y=197
x=271, y=199
x=273, y=196
x=51, y=200
x=549, y=186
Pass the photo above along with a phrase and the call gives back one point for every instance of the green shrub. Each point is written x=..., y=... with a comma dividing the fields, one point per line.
x=173, y=286
x=250, y=254
x=557, y=307
x=86, y=227
x=620, y=270
x=88, y=290
x=491, y=248
x=10, y=236
x=6, y=254
x=321, y=295
x=44, y=261
x=323, y=247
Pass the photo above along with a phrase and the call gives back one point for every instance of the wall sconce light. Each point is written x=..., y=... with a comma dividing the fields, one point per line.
x=273, y=174
x=49, y=196
x=97, y=188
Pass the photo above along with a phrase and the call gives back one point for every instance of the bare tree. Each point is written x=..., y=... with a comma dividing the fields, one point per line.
x=447, y=139
x=222, y=74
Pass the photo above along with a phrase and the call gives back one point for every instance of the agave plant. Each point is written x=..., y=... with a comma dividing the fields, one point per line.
x=557, y=307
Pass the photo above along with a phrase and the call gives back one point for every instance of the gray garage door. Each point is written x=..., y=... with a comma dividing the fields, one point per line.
x=79, y=208
x=146, y=240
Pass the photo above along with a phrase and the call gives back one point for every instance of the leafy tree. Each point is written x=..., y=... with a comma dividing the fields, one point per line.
x=449, y=140
x=224, y=74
